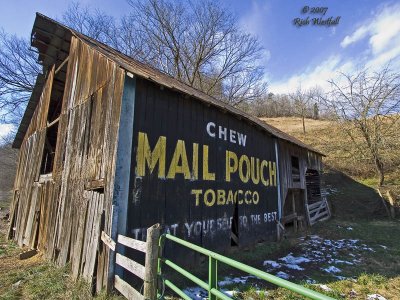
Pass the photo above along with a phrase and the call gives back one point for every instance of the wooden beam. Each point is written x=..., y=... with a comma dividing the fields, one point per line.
x=28, y=254
x=126, y=290
x=130, y=265
x=62, y=65
x=132, y=243
x=108, y=241
x=150, y=276
x=53, y=122
x=94, y=184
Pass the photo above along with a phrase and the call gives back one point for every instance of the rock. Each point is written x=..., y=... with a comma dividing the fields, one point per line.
x=353, y=293
x=375, y=297
x=325, y=288
x=27, y=254
x=17, y=284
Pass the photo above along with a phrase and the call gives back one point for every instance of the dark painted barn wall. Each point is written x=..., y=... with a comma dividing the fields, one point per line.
x=175, y=181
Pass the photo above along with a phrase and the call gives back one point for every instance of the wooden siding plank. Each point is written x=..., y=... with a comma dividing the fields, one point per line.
x=125, y=289
x=130, y=265
x=132, y=243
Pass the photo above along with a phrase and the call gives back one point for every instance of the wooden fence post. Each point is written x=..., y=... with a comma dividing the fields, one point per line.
x=150, y=275
x=392, y=204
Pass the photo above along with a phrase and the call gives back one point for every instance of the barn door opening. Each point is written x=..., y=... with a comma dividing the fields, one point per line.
x=313, y=184
x=235, y=226
x=53, y=118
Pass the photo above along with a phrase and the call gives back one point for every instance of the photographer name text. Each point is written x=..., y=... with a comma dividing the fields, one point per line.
x=316, y=16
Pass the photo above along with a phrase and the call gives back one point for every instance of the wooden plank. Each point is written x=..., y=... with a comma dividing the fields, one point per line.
x=62, y=65
x=107, y=241
x=132, y=243
x=94, y=184
x=28, y=254
x=315, y=205
x=130, y=265
x=53, y=122
x=126, y=290
x=150, y=278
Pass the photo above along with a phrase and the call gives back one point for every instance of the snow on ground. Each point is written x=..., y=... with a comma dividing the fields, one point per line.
x=375, y=297
x=316, y=253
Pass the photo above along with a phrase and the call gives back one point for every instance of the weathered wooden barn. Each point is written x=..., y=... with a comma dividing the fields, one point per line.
x=110, y=144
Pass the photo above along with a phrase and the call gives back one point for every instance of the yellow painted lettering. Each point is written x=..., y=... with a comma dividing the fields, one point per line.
x=264, y=164
x=207, y=201
x=230, y=197
x=244, y=177
x=195, y=170
x=145, y=155
x=206, y=174
x=220, y=197
x=256, y=197
x=231, y=164
x=197, y=193
x=240, y=192
x=179, y=163
x=272, y=173
x=246, y=199
x=255, y=170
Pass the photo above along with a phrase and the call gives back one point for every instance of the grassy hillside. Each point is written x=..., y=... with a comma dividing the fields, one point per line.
x=344, y=165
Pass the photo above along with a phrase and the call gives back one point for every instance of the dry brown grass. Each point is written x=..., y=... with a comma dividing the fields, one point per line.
x=341, y=154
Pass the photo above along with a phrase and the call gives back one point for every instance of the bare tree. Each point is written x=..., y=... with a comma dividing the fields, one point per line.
x=367, y=105
x=8, y=163
x=303, y=103
x=18, y=72
x=93, y=23
x=200, y=44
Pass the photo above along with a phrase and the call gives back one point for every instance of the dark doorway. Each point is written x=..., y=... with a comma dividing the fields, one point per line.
x=313, y=184
x=235, y=226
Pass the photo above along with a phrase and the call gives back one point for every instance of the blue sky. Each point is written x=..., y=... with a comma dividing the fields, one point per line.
x=368, y=34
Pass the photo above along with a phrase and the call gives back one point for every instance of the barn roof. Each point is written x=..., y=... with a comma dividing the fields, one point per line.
x=52, y=41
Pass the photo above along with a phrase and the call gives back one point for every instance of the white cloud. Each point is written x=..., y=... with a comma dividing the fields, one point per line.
x=358, y=35
x=251, y=21
x=317, y=76
x=383, y=33
x=382, y=30
x=5, y=129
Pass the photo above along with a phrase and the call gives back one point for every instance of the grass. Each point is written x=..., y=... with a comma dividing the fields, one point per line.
x=37, y=279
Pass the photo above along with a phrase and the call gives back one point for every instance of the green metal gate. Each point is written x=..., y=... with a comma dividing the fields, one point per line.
x=212, y=285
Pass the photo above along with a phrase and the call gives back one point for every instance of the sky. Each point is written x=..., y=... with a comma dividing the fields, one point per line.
x=367, y=34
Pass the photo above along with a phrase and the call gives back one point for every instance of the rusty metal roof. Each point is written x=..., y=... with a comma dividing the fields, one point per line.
x=49, y=35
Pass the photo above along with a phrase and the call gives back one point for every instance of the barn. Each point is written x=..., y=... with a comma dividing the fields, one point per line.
x=108, y=144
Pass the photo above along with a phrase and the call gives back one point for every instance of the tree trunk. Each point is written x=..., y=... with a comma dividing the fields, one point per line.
x=380, y=169
x=304, y=124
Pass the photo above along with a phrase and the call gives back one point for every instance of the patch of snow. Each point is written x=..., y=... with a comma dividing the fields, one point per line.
x=294, y=267
x=290, y=259
x=349, y=228
x=325, y=288
x=311, y=281
x=340, y=277
x=230, y=293
x=282, y=275
x=196, y=293
x=332, y=269
x=383, y=246
x=368, y=249
x=375, y=296
x=339, y=261
x=271, y=263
